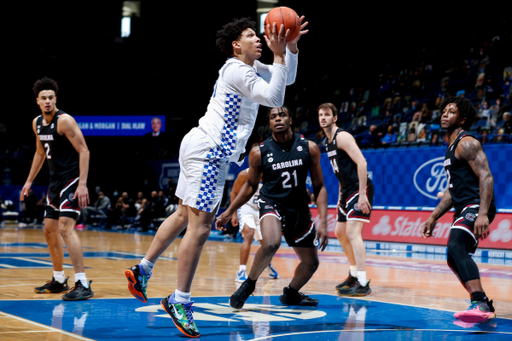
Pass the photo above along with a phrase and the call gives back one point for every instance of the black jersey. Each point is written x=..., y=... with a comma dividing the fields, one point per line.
x=463, y=183
x=285, y=169
x=63, y=160
x=343, y=166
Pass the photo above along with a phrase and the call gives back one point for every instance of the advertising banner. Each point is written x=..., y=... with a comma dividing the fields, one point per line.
x=413, y=176
x=138, y=125
x=405, y=226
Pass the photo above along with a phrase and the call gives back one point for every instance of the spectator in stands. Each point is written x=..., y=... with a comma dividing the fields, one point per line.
x=434, y=140
x=485, y=110
x=140, y=201
x=411, y=135
x=422, y=136
x=483, y=135
x=390, y=136
x=121, y=213
x=375, y=109
x=100, y=206
x=507, y=123
x=369, y=138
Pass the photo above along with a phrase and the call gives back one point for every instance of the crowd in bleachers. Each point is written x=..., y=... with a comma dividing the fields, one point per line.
x=402, y=108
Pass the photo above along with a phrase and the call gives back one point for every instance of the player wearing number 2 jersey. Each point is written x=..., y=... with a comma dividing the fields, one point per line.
x=283, y=162
x=61, y=143
x=355, y=199
x=470, y=192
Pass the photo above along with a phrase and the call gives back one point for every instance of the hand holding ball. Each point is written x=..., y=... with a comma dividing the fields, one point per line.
x=284, y=16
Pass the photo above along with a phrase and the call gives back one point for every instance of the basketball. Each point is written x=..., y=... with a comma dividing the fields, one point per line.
x=284, y=16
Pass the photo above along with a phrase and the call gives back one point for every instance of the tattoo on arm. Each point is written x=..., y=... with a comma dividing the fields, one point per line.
x=471, y=151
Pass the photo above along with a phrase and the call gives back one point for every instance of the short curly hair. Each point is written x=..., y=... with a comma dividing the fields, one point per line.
x=466, y=110
x=232, y=32
x=45, y=83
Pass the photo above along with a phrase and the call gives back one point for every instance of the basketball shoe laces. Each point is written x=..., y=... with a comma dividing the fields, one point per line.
x=188, y=312
x=475, y=304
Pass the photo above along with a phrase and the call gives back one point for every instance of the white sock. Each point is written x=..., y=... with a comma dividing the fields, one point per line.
x=80, y=276
x=147, y=265
x=182, y=297
x=59, y=276
x=353, y=270
x=242, y=267
x=361, y=277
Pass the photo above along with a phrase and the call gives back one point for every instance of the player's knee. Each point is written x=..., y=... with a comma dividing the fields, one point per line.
x=341, y=234
x=312, y=264
x=270, y=246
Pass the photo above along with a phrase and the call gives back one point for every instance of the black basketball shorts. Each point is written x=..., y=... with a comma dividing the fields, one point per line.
x=348, y=209
x=59, y=200
x=297, y=226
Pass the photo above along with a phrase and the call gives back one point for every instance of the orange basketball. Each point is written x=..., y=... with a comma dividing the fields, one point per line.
x=284, y=16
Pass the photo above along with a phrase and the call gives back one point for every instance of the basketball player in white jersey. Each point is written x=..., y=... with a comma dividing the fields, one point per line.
x=248, y=218
x=243, y=84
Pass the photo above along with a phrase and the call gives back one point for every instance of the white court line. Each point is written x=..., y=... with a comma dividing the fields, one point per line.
x=378, y=330
x=49, y=329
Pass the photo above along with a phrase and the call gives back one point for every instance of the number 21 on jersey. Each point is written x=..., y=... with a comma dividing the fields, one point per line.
x=289, y=179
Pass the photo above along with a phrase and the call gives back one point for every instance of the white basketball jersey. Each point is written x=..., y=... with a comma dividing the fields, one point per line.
x=238, y=92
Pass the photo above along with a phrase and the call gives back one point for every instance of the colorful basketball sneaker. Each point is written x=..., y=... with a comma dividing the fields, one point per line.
x=181, y=314
x=52, y=287
x=138, y=282
x=290, y=298
x=272, y=273
x=78, y=292
x=478, y=312
x=241, y=276
x=355, y=290
x=347, y=283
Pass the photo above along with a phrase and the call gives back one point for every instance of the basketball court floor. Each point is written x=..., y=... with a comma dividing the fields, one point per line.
x=414, y=294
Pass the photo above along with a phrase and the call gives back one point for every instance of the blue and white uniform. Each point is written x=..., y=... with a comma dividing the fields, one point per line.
x=227, y=125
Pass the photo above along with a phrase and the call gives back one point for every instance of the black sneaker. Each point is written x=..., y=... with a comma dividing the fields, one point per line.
x=290, y=298
x=238, y=299
x=349, y=281
x=78, y=292
x=356, y=290
x=52, y=287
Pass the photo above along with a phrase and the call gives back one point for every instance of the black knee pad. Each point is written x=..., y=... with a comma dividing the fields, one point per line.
x=460, y=244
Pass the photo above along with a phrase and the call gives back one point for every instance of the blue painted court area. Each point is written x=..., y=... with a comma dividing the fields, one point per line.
x=263, y=318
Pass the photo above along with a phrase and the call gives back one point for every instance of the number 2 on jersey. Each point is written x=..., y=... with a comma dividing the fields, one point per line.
x=47, y=147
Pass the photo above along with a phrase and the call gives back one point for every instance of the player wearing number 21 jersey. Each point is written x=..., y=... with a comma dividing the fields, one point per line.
x=283, y=162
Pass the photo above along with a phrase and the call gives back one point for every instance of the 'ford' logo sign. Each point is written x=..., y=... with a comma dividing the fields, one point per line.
x=430, y=178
